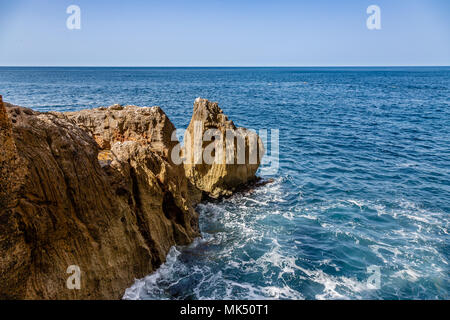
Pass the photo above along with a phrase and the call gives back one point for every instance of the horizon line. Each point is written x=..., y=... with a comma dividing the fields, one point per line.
x=220, y=66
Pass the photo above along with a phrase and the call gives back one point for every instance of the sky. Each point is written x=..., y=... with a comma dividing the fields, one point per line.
x=224, y=33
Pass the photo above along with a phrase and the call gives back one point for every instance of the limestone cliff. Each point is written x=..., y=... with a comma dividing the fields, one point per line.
x=98, y=189
x=237, y=152
x=116, y=221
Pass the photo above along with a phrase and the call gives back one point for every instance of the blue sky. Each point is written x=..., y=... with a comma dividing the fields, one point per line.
x=224, y=33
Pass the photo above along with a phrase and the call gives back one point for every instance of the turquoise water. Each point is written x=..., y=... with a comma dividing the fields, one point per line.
x=363, y=181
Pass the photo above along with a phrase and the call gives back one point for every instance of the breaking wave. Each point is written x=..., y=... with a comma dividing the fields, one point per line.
x=270, y=244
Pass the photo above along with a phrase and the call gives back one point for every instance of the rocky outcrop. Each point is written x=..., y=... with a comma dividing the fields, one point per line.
x=99, y=189
x=115, y=219
x=146, y=125
x=236, y=152
x=137, y=142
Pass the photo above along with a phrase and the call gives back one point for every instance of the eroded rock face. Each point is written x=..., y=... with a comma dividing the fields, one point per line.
x=98, y=189
x=237, y=153
x=147, y=125
x=10, y=173
x=14, y=252
x=60, y=206
x=137, y=142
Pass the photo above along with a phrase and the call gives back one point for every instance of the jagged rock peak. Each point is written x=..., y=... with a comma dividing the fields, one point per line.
x=224, y=175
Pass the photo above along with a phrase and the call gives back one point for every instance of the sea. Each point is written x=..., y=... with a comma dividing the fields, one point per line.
x=357, y=200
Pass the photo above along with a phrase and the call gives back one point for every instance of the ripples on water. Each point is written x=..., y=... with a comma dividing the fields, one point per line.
x=273, y=243
x=363, y=180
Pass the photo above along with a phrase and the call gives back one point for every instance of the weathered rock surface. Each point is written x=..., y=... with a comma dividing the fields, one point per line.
x=141, y=138
x=10, y=173
x=221, y=177
x=99, y=189
x=146, y=125
x=60, y=206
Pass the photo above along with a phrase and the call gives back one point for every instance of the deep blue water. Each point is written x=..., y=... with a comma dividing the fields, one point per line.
x=363, y=179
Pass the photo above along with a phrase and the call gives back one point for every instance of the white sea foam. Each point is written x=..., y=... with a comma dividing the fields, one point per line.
x=238, y=244
x=407, y=274
x=141, y=287
x=335, y=287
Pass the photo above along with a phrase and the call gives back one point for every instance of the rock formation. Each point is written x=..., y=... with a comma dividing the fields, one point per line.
x=147, y=125
x=98, y=189
x=237, y=152
x=115, y=222
x=137, y=143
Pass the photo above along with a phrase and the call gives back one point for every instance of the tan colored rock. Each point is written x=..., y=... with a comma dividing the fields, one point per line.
x=10, y=173
x=98, y=189
x=236, y=160
x=60, y=207
x=147, y=125
x=140, y=139
x=14, y=252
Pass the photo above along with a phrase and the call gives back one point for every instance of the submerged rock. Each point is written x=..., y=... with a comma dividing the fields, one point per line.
x=236, y=155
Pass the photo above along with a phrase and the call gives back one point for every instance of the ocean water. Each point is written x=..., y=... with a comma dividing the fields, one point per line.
x=363, y=182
